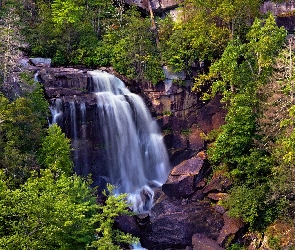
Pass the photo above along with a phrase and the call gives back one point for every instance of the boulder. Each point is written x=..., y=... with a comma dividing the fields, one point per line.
x=40, y=62
x=127, y=224
x=172, y=223
x=218, y=183
x=231, y=227
x=184, y=177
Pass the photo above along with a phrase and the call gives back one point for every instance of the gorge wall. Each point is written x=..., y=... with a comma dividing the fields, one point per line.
x=182, y=116
x=183, y=215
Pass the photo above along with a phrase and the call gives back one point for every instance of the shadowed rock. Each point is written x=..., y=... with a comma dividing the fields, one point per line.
x=231, y=227
x=184, y=177
x=172, y=223
x=218, y=183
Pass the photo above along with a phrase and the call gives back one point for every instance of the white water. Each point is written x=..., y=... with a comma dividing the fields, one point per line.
x=135, y=157
x=136, y=153
x=56, y=110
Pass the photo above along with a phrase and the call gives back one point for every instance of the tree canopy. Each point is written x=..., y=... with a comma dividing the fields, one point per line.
x=44, y=205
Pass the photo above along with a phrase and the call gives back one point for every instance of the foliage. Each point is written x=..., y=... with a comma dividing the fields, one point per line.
x=194, y=36
x=235, y=15
x=18, y=119
x=238, y=75
x=202, y=30
x=134, y=52
x=245, y=66
x=108, y=238
x=69, y=31
x=54, y=153
x=11, y=42
x=47, y=213
x=252, y=205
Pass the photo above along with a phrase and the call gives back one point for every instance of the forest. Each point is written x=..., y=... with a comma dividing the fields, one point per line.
x=249, y=61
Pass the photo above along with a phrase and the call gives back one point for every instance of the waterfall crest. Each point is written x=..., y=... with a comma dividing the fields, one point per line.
x=133, y=157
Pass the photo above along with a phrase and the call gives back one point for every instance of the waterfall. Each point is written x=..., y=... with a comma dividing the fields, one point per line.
x=136, y=155
x=83, y=119
x=83, y=150
x=126, y=147
x=73, y=121
x=74, y=132
x=56, y=111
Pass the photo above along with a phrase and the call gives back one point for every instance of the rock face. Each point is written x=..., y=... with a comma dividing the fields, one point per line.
x=183, y=214
x=278, y=9
x=187, y=217
x=156, y=5
x=284, y=13
x=177, y=214
x=182, y=116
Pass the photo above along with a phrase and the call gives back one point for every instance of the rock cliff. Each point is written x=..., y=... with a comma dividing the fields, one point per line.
x=182, y=116
x=157, y=5
x=186, y=212
x=183, y=214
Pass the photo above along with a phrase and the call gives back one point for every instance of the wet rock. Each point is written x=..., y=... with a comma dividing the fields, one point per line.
x=201, y=242
x=127, y=224
x=182, y=179
x=173, y=223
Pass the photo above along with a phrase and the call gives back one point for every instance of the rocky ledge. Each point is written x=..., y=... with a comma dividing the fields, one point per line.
x=186, y=212
x=182, y=116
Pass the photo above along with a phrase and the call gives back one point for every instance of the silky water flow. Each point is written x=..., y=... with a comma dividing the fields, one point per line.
x=136, y=157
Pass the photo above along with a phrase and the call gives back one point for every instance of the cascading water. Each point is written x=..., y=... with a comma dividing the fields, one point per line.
x=136, y=153
x=133, y=156
x=56, y=110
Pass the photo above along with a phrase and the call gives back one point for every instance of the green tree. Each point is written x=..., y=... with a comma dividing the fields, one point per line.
x=55, y=152
x=18, y=119
x=47, y=213
x=11, y=41
x=134, y=49
x=246, y=66
x=203, y=28
x=241, y=72
x=70, y=31
x=108, y=238
x=194, y=37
